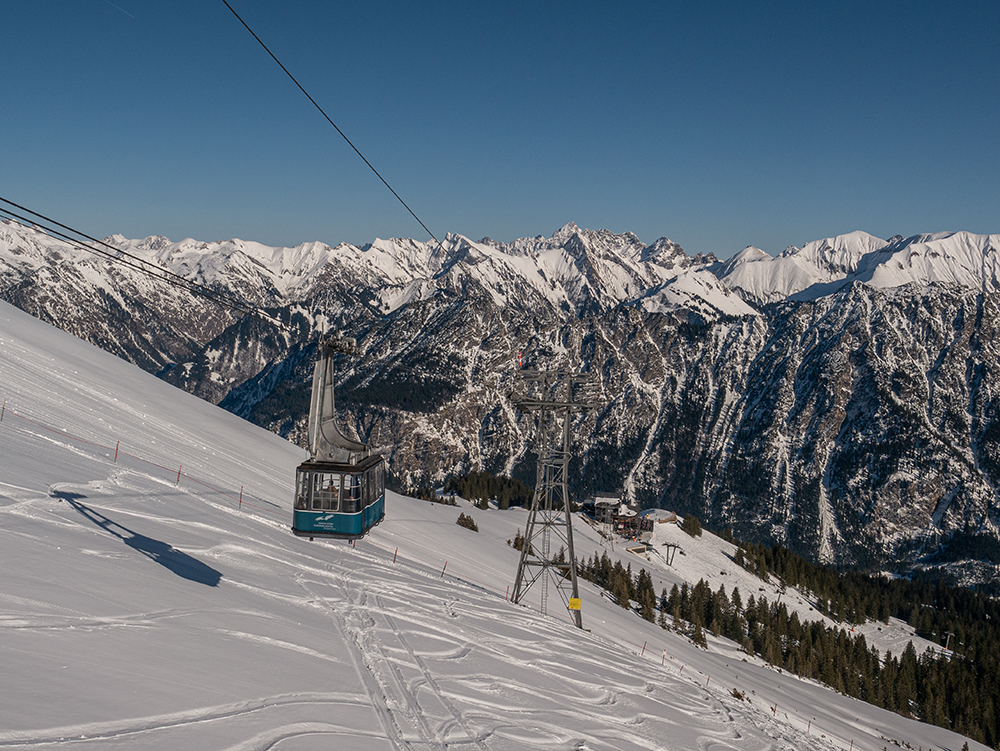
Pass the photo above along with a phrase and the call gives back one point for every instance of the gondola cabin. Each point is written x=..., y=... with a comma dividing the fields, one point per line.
x=339, y=500
x=340, y=489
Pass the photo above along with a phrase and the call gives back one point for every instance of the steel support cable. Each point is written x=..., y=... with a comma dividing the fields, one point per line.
x=165, y=275
x=152, y=272
x=139, y=264
x=343, y=135
x=115, y=251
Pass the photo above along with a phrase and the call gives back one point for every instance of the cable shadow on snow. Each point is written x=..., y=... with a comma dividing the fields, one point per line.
x=166, y=555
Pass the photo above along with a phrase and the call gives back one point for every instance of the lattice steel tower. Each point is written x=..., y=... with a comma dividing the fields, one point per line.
x=556, y=396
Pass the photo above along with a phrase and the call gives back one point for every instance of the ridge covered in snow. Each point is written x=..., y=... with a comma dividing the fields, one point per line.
x=822, y=267
x=578, y=271
x=575, y=269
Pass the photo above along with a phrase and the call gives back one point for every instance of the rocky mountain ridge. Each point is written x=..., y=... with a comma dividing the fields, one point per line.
x=840, y=398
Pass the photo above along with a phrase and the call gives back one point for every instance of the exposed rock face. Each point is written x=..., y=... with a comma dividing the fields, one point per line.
x=841, y=399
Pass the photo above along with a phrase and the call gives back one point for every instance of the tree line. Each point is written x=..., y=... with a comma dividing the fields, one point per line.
x=961, y=693
x=481, y=487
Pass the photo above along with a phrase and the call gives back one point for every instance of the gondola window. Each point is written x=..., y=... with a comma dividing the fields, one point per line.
x=326, y=491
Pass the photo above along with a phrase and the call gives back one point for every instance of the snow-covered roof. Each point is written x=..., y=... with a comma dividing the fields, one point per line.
x=658, y=514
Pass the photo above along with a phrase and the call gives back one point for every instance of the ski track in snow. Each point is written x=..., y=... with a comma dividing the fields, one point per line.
x=97, y=733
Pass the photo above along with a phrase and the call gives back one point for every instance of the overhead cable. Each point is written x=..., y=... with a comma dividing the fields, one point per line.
x=125, y=258
x=343, y=135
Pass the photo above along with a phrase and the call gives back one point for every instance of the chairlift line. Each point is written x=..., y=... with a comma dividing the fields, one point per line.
x=340, y=489
x=123, y=257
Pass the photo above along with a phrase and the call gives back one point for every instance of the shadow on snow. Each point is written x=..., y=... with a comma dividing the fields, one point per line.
x=166, y=555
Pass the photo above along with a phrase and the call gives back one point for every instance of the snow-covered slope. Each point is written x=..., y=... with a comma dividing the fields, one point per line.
x=142, y=607
x=959, y=258
x=762, y=279
x=696, y=290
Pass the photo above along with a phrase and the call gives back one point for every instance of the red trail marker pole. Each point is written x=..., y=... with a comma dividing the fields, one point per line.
x=241, y=497
x=179, y=467
x=4, y=410
x=117, y=445
x=643, y=649
x=442, y=570
x=394, y=555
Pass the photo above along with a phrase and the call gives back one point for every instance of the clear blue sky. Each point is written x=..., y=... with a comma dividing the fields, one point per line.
x=717, y=125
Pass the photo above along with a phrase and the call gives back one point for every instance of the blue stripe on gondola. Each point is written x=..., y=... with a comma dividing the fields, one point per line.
x=336, y=523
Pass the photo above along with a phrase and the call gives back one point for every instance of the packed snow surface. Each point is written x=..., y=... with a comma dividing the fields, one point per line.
x=145, y=605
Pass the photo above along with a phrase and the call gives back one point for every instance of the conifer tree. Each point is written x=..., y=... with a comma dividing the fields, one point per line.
x=674, y=605
x=698, y=637
x=685, y=603
x=646, y=595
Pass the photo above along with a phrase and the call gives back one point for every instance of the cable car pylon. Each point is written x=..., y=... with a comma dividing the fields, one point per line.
x=554, y=396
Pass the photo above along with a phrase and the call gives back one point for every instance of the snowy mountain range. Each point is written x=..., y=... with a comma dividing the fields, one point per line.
x=840, y=398
x=823, y=267
x=147, y=607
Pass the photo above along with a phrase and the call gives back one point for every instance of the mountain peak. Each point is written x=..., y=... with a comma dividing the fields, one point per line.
x=567, y=230
x=749, y=254
x=662, y=251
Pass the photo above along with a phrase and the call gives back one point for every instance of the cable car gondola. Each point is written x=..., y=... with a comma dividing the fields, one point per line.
x=340, y=489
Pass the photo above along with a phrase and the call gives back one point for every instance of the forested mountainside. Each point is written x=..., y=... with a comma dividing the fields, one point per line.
x=839, y=399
